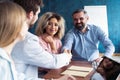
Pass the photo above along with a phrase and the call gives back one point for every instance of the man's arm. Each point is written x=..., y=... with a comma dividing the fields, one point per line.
x=107, y=43
x=68, y=42
x=30, y=52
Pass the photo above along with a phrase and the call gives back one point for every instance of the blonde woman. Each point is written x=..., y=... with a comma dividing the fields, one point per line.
x=50, y=30
x=13, y=28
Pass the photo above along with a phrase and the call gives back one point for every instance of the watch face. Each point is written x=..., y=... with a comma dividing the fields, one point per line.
x=109, y=68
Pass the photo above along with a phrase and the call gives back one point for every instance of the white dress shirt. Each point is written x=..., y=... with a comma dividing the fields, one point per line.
x=8, y=71
x=28, y=55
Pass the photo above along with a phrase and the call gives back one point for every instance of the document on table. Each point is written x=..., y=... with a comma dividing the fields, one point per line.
x=78, y=71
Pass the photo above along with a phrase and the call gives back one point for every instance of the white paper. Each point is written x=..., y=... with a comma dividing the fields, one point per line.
x=78, y=71
x=98, y=16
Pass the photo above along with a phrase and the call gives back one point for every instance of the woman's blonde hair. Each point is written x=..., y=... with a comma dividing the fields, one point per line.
x=12, y=18
x=43, y=23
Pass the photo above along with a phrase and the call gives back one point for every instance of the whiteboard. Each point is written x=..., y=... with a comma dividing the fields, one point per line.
x=98, y=16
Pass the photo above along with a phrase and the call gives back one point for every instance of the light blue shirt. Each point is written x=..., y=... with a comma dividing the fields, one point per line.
x=28, y=55
x=8, y=71
x=84, y=46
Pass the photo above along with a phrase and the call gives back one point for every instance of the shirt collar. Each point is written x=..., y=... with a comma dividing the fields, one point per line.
x=4, y=55
x=88, y=28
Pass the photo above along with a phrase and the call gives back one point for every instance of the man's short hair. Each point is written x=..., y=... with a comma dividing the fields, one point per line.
x=78, y=11
x=30, y=5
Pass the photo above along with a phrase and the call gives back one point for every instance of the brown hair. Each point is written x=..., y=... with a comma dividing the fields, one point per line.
x=30, y=5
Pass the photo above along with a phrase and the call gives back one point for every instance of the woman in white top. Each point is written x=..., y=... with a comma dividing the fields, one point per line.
x=12, y=20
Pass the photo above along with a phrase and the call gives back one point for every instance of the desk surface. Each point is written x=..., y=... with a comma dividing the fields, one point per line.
x=56, y=73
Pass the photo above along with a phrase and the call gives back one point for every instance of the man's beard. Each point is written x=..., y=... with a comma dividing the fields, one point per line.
x=80, y=26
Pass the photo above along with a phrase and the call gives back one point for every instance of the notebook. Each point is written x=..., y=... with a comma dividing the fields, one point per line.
x=78, y=71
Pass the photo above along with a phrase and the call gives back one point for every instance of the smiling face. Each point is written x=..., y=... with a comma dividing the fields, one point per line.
x=80, y=20
x=52, y=27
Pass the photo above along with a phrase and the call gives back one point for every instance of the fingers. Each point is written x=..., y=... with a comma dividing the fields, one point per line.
x=99, y=59
x=96, y=62
x=67, y=51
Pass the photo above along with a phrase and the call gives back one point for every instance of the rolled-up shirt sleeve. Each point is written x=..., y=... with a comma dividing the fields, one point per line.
x=32, y=53
x=107, y=43
x=68, y=41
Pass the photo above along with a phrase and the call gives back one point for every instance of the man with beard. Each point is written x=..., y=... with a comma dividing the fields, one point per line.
x=83, y=39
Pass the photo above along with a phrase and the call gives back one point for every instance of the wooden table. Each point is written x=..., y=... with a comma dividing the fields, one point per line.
x=56, y=73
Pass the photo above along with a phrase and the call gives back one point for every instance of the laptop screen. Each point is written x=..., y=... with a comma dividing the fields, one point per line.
x=109, y=68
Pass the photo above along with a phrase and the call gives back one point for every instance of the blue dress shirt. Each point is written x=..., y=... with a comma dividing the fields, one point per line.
x=84, y=46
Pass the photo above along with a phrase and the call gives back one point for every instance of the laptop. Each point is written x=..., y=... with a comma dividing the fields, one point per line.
x=109, y=68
